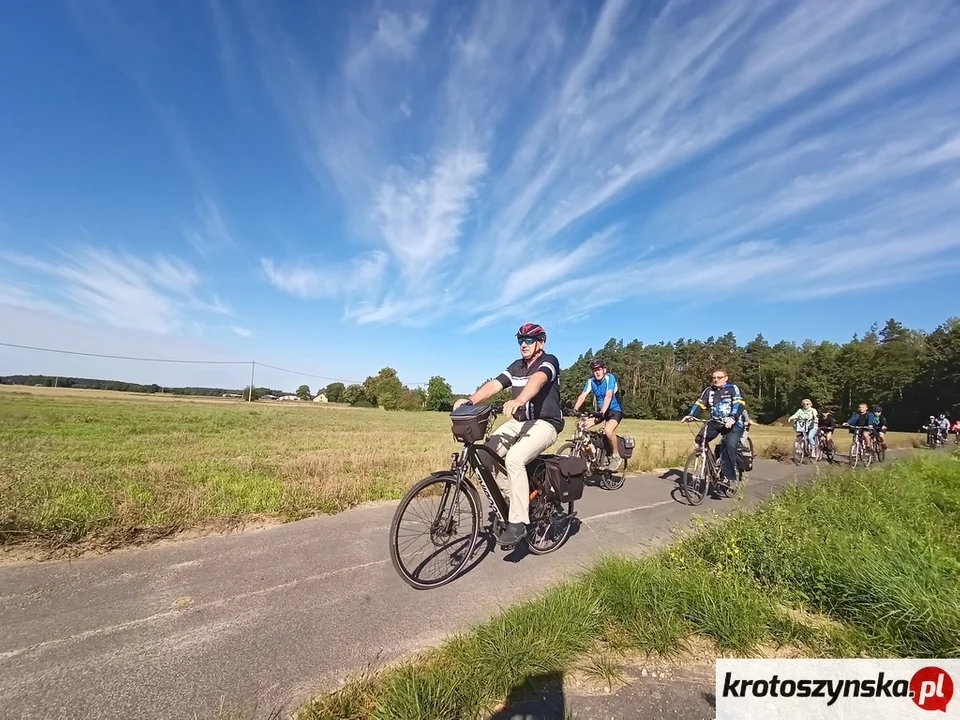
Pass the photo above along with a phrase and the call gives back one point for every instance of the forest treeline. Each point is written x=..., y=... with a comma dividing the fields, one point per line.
x=911, y=373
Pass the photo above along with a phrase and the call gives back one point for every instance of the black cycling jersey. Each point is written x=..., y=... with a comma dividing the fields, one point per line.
x=546, y=403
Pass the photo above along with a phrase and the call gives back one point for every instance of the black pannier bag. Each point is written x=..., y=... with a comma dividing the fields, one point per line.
x=470, y=422
x=625, y=445
x=565, y=476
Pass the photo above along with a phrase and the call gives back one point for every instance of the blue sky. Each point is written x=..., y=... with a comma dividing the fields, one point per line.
x=338, y=187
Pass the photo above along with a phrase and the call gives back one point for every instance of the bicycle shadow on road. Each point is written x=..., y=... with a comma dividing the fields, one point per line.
x=540, y=697
x=676, y=494
x=673, y=474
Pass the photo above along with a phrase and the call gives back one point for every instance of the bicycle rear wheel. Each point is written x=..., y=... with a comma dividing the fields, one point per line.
x=881, y=451
x=550, y=520
x=694, y=483
x=449, y=524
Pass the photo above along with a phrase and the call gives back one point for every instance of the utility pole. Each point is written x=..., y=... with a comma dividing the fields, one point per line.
x=253, y=370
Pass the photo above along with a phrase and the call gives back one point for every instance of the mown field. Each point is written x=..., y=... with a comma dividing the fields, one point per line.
x=115, y=468
x=863, y=564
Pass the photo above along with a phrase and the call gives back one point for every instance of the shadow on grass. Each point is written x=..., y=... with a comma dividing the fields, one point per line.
x=539, y=698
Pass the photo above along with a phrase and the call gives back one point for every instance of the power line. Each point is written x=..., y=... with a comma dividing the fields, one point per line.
x=305, y=374
x=125, y=357
x=181, y=361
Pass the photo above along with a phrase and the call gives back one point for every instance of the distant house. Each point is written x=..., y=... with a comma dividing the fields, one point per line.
x=268, y=397
x=233, y=395
x=289, y=397
x=322, y=397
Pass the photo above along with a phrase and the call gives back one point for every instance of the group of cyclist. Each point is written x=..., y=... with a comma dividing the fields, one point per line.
x=536, y=418
x=812, y=424
x=939, y=427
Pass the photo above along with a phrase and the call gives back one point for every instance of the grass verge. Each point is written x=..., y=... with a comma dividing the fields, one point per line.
x=863, y=563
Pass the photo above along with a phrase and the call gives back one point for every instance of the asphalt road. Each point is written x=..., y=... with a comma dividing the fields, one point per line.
x=265, y=618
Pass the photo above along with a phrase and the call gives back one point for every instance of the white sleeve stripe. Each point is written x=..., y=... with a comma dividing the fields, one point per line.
x=549, y=365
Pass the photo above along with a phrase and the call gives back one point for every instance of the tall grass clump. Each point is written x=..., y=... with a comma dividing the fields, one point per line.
x=858, y=563
x=878, y=550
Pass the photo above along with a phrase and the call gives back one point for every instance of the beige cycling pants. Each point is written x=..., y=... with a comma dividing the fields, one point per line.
x=518, y=443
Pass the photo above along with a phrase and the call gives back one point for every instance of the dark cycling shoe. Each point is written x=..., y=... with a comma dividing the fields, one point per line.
x=512, y=534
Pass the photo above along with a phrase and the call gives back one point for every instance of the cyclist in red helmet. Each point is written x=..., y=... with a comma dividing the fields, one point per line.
x=536, y=420
x=605, y=389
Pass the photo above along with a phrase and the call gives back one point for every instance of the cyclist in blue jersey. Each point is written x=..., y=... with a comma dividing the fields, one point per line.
x=605, y=389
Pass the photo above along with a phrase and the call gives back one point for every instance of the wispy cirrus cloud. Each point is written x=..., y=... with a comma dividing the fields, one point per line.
x=350, y=279
x=119, y=289
x=211, y=232
x=539, y=137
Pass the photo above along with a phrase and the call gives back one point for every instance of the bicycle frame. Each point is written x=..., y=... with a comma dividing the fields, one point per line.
x=711, y=461
x=469, y=457
x=582, y=437
x=858, y=442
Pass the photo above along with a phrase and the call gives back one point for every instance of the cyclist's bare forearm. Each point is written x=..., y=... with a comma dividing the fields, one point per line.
x=486, y=391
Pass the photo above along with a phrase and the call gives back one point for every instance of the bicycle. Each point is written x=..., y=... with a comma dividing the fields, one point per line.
x=555, y=483
x=858, y=448
x=703, y=471
x=591, y=445
x=824, y=448
x=801, y=446
x=879, y=447
x=934, y=437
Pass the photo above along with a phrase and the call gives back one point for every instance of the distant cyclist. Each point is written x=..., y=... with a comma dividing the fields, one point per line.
x=955, y=429
x=747, y=423
x=603, y=385
x=863, y=418
x=827, y=424
x=805, y=420
x=880, y=428
x=725, y=403
x=944, y=425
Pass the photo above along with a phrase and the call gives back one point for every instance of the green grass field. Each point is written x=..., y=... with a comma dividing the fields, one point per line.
x=854, y=564
x=115, y=468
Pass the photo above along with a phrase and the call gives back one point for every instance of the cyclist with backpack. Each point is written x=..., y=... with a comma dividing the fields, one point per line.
x=606, y=396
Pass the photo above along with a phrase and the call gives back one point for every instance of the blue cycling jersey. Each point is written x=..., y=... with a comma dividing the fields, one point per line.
x=600, y=388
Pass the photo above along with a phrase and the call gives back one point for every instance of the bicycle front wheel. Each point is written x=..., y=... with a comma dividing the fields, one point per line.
x=614, y=480
x=694, y=483
x=799, y=449
x=434, y=531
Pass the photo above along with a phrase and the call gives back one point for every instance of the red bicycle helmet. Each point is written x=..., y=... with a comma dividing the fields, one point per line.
x=532, y=330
